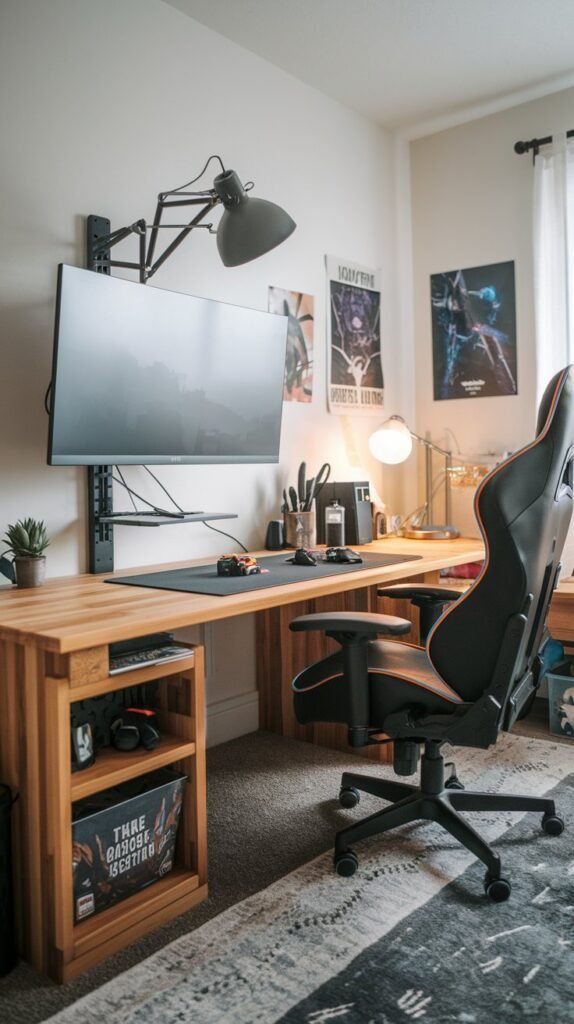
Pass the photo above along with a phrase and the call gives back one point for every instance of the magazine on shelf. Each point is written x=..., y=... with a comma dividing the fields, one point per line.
x=128, y=660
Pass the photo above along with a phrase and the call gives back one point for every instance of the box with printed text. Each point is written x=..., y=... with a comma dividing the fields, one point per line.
x=123, y=839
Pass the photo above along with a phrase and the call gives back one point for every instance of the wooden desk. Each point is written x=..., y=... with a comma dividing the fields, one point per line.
x=561, y=615
x=54, y=651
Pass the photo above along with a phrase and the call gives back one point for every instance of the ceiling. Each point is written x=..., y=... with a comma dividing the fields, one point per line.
x=403, y=62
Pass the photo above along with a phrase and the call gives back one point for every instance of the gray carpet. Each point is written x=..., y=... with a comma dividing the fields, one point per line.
x=272, y=809
x=263, y=792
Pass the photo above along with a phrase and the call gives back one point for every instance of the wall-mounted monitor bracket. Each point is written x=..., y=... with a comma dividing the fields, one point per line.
x=100, y=535
x=100, y=498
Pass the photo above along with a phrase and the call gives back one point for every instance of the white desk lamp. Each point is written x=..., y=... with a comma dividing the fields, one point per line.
x=392, y=443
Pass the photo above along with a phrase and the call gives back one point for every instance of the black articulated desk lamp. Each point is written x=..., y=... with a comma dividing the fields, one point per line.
x=248, y=228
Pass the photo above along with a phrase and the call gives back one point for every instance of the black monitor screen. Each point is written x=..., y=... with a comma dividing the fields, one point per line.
x=143, y=375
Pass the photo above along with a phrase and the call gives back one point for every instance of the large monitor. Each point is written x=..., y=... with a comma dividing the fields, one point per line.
x=142, y=375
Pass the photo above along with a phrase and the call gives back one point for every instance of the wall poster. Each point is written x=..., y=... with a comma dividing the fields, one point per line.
x=474, y=332
x=298, y=381
x=355, y=371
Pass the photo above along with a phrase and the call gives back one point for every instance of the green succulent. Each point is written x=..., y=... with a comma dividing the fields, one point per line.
x=27, y=538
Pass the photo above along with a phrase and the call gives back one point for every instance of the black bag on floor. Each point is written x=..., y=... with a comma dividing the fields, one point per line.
x=8, y=955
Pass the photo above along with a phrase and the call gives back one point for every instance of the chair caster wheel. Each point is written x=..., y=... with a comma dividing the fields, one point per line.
x=453, y=783
x=346, y=863
x=497, y=889
x=552, y=824
x=349, y=796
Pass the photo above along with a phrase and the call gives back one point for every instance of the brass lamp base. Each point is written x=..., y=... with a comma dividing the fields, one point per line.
x=431, y=532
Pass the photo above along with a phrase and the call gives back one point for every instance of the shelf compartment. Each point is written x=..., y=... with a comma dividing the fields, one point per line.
x=47, y=935
x=113, y=929
x=123, y=680
x=115, y=766
x=88, y=674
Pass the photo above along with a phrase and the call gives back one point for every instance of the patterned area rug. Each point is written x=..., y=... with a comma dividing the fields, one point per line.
x=461, y=958
x=409, y=937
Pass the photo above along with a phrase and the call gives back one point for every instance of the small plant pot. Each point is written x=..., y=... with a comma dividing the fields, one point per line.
x=30, y=572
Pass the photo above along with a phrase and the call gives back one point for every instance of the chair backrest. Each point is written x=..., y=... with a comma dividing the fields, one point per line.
x=523, y=508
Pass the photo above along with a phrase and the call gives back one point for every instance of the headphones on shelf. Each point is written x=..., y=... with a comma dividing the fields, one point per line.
x=134, y=726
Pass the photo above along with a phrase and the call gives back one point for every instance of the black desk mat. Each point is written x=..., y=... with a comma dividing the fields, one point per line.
x=203, y=579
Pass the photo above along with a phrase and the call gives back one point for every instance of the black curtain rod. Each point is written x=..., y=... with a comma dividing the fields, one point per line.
x=535, y=144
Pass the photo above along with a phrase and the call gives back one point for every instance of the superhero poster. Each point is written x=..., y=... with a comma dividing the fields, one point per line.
x=298, y=307
x=474, y=332
x=355, y=375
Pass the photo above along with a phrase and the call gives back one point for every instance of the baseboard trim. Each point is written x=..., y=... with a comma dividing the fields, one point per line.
x=235, y=716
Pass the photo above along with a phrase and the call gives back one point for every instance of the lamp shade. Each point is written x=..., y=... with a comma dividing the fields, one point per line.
x=391, y=442
x=248, y=227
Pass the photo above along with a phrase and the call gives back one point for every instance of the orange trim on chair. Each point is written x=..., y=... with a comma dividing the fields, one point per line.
x=447, y=693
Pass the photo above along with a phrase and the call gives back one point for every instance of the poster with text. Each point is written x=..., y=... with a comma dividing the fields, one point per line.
x=355, y=373
x=298, y=307
x=474, y=332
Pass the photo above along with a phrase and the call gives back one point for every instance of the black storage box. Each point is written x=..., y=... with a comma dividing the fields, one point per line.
x=123, y=839
x=354, y=496
x=8, y=956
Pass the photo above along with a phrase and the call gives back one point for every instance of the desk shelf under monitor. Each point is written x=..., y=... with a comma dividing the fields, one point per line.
x=159, y=519
x=102, y=519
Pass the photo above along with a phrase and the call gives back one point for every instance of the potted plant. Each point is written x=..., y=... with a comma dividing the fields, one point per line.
x=26, y=541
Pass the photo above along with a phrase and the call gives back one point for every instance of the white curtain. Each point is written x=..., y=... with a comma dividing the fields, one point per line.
x=554, y=273
x=554, y=258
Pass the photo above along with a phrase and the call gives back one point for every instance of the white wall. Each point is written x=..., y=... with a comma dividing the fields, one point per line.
x=102, y=105
x=472, y=205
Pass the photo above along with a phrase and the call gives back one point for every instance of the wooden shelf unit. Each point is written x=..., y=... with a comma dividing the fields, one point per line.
x=44, y=873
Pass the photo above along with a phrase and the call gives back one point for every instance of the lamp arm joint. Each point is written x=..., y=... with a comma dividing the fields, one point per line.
x=106, y=242
x=151, y=267
x=430, y=444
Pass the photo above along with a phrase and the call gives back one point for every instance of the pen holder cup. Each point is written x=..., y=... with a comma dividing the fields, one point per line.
x=300, y=529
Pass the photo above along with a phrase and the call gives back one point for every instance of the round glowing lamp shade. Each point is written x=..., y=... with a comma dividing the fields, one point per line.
x=391, y=442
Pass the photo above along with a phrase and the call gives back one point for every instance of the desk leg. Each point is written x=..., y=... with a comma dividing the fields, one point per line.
x=58, y=899
x=281, y=654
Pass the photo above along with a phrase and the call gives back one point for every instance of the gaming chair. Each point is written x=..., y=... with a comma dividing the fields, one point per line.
x=481, y=663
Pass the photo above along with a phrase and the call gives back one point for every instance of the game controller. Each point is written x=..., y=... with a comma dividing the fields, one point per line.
x=303, y=557
x=342, y=555
x=135, y=726
x=237, y=565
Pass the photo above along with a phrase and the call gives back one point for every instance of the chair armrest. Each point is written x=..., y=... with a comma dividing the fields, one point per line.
x=429, y=598
x=429, y=592
x=363, y=623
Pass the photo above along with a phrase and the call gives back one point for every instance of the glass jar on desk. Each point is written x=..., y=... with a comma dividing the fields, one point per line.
x=335, y=525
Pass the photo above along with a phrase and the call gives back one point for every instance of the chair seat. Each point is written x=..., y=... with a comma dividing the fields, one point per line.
x=400, y=675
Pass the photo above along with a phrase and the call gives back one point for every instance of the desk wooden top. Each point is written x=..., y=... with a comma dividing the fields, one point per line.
x=76, y=612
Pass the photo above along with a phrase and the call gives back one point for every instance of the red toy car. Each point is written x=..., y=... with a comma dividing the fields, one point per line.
x=237, y=565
